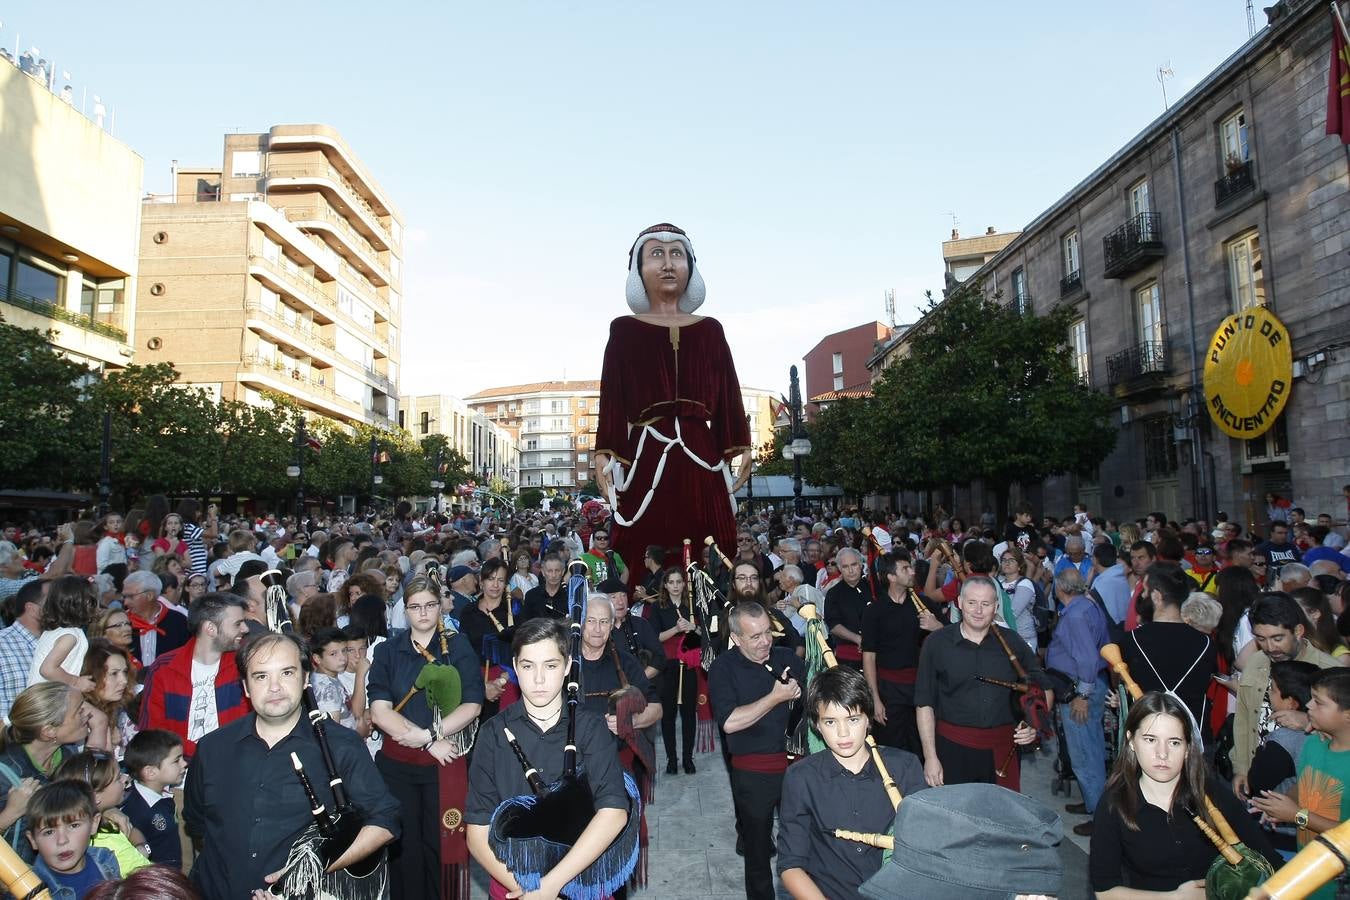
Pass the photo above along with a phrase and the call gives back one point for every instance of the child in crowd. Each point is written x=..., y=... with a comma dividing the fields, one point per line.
x=115, y=832
x=1321, y=800
x=66, y=613
x=1275, y=765
x=111, y=549
x=354, y=678
x=328, y=658
x=62, y=818
x=155, y=760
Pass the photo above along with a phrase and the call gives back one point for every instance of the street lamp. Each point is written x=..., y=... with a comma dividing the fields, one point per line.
x=376, y=479
x=437, y=484
x=297, y=469
x=799, y=446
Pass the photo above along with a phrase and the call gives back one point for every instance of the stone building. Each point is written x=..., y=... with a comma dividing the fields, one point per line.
x=1234, y=197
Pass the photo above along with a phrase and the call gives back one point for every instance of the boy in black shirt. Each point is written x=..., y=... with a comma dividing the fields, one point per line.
x=155, y=760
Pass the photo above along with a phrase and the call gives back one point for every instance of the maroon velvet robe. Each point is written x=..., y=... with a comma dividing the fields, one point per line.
x=655, y=374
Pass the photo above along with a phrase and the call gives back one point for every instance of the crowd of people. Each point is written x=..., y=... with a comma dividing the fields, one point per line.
x=157, y=666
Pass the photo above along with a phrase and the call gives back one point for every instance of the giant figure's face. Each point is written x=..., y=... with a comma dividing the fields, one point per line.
x=665, y=270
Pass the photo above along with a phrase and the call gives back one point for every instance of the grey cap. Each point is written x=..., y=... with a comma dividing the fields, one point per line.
x=970, y=842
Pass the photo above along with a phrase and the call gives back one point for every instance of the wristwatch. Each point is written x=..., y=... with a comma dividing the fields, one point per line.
x=1301, y=818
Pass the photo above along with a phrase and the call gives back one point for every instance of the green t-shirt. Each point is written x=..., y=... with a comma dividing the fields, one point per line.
x=1323, y=789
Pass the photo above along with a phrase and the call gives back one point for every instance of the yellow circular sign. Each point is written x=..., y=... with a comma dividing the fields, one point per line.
x=1249, y=369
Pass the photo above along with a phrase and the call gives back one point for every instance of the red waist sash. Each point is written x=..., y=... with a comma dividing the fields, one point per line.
x=898, y=676
x=997, y=739
x=849, y=651
x=452, y=793
x=762, y=763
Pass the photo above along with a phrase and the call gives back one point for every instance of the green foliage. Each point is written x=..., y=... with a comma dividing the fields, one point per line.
x=985, y=392
x=530, y=498
x=769, y=457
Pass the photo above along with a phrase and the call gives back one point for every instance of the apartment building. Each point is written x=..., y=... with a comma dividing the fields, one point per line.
x=963, y=257
x=280, y=270
x=1235, y=197
x=760, y=413
x=837, y=365
x=490, y=449
x=553, y=423
x=69, y=221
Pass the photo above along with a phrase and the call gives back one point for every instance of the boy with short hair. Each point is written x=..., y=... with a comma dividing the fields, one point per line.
x=328, y=659
x=1275, y=765
x=1322, y=799
x=62, y=818
x=841, y=788
x=154, y=759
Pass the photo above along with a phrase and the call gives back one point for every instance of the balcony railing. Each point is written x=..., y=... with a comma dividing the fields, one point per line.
x=1133, y=245
x=310, y=289
x=300, y=329
x=1071, y=283
x=354, y=239
x=1138, y=366
x=1239, y=180
x=305, y=381
x=327, y=172
x=60, y=313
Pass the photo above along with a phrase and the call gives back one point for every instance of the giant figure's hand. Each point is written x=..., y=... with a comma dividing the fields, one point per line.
x=602, y=480
x=746, y=469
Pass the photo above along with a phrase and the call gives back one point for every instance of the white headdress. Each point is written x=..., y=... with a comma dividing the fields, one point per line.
x=694, y=293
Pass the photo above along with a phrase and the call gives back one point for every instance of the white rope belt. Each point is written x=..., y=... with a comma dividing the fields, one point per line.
x=619, y=482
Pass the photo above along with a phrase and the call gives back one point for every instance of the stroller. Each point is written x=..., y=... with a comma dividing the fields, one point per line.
x=1112, y=722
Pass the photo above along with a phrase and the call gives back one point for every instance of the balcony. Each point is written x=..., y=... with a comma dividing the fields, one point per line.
x=1241, y=179
x=290, y=279
x=303, y=330
x=303, y=176
x=61, y=314
x=351, y=243
x=1071, y=284
x=1133, y=245
x=276, y=375
x=1138, y=370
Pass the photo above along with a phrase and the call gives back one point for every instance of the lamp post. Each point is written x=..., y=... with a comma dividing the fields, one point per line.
x=799, y=446
x=297, y=470
x=750, y=482
x=436, y=482
x=376, y=479
x=105, y=465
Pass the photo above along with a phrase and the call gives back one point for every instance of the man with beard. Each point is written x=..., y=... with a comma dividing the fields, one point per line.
x=844, y=605
x=747, y=587
x=893, y=628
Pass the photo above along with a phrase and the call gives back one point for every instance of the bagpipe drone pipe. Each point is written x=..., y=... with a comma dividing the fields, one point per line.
x=531, y=833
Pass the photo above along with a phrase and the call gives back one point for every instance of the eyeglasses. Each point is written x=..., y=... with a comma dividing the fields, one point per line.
x=419, y=608
x=601, y=537
x=1258, y=564
x=117, y=625
x=747, y=578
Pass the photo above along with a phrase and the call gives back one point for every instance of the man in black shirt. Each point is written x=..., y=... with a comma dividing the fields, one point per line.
x=1020, y=531
x=1166, y=654
x=752, y=707
x=748, y=587
x=844, y=605
x=966, y=725
x=548, y=599
x=634, y=634
x=244, y=802
x=892, y=631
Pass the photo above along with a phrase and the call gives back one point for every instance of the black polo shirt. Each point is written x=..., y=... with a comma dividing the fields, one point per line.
x=397, y=664
x=891, y=631
x=844, y=605
x=820, y=795
x=948, y=665
x=599, y=679
x=636, y=633
x=476, y=624
x=245, y=800
x=735, y=681
x=495, y=774
x=539, y=603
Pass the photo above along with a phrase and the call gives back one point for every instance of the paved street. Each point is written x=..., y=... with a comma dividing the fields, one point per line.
x=693, y=838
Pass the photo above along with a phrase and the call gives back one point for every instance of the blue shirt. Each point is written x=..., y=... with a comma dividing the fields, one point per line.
x=1084, y=565
x=17, y=644
x=1114, y=589
x=1079, y=637
x=100, y=865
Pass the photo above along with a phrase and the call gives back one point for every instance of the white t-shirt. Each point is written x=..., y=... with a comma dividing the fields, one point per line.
x=202, y=716
x=74, y=660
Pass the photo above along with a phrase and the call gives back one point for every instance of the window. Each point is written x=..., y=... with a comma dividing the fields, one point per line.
x=558, y=406
x=531, y=407
x=1274, y=442
x=581, y=422
x=558, y=425
x=102, y=300
x=581, y=457
x=1160, y=447
x=426, y=423
x=1245, y=273
x=271, y=250
x=350, y=388
x=501, y=408
x=581, y=404
x=583, y=440
x=1139, y=197
x=39, y=282
x=1148, y=313
x=247, y=163
x=267, y=300
x=401, y=419
x=395, y=267
x=1019, y=290
x=839, y=382
x=1069, y=257
x=351, y=347
x=1233, y=139
x=838, y=362
x=1078, y=342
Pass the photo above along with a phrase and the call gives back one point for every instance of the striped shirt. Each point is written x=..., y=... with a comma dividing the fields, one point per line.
x=192, y=533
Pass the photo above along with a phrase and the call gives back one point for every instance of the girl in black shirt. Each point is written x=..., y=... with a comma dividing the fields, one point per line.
x=674, y=618
x=1144, y=840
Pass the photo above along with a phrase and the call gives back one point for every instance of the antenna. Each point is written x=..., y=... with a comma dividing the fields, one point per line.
x=890, y=306
x=1165, y=72
x=1251, y=19
x=954, y=220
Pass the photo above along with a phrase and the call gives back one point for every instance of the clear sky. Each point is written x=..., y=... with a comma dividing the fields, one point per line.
x=813, y=151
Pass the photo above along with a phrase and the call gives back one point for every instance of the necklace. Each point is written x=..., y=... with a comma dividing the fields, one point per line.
x=557, y=713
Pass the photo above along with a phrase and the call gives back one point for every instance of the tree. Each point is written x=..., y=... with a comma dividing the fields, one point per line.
x=50, y=440
x=985, y=392
x=769, y=457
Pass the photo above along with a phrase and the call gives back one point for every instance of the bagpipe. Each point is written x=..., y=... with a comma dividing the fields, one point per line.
x=1326, y=856
x=1031, y=700
x=697, y=649
x=532, y=833
x=819, y=657
x=305, y=875
x=1237, y=869
x=874, y=550
x=276, y=603
x=18, y=877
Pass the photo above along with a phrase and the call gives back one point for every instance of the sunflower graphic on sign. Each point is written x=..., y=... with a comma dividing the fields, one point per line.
x=1249, y=370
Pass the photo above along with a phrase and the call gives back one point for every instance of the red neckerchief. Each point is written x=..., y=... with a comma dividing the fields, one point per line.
x=142, y=626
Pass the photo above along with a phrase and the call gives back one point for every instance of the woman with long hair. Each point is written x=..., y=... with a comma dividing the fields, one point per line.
x=492, y=614
x=1237, y=591
x=44, y=720
x=109, y=668
x=667, y=616
x=156, y=508
x=169, y=539
x=316, y=613
x=362, y=584
x=1145, y=842
x=112, y=625
x=522, y=579
x=1322, y=631
x=1012, y=575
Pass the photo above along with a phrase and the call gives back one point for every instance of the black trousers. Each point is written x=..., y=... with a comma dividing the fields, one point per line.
x=415, y=858
x=966, y=765
x=687, y=707
x=901, y=729
x=756, y=797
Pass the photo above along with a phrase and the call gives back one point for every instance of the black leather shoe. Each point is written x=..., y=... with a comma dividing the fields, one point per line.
x=671, y=768
x=689, y=767
x=1083, y=829
x=1076, y=809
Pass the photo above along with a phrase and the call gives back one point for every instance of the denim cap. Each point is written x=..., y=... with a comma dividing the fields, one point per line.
x=970, y=842
x=458, y=572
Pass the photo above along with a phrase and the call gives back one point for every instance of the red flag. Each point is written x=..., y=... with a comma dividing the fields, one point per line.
x=1338, y=82
x=313, y=444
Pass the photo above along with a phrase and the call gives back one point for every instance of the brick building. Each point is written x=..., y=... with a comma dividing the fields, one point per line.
x=839, y=363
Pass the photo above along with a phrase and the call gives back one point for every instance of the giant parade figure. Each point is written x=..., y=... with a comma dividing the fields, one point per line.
x=671, y=417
